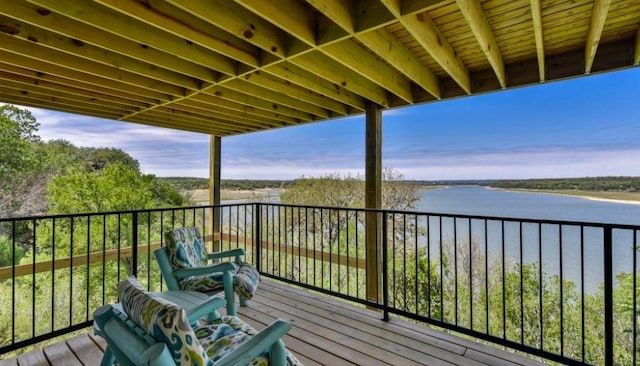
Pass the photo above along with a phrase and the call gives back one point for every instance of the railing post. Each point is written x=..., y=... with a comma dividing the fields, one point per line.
x=134, y=244
x=385, y=275
x=257, y=234
x=608, y=296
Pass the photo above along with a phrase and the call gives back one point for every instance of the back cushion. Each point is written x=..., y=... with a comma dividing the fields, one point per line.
x=186, y=248
x=164, y=321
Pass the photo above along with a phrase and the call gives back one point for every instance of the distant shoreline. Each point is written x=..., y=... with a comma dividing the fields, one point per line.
x=592, y=196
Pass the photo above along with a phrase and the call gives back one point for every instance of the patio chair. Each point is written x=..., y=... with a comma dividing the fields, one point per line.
x=154, y=331
x=184, y=266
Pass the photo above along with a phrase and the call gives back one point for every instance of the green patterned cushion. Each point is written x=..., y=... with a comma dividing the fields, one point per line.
x=224, y=335
x=164, y=321
x=245, y=280
x=186, y=248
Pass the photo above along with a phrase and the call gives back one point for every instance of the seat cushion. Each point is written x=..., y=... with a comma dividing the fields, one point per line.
x=224, y=335
x=186, y=248
x=164, y=321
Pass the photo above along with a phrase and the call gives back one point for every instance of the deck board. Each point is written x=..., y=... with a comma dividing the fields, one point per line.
x=325, y=331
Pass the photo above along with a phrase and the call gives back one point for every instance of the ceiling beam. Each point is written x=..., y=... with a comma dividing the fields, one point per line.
x=55, y=83
x=382, y=42
x=419, y=6
x=296, y=75
x=275, y=84
x=78, y=49
x=14, y=53
x=422, y=28
x=598, y=17
x=110, y=21
x=536, y=17
x=268, y=117
x=325, y=67
x=300, y=22
x=87, y=34
x=239, y=21
x=475, y=17
x=636, y=57
x=212, y=39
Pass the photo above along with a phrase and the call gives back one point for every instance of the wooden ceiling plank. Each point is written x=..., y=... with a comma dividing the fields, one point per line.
x=284, y=86
x=239, y=21
x=229, y=125
x=598, y=18
x=106, y=57
x=178, y=125
x=260, y=103
x=325, y=67
x=47, y=68
x=203, y=109
x=475, y=17
x=70, y=62
x=166, y=22
x=63, y=99
x=536, y=14
x=113, y=22
x=303, y=78
x=424, y=30
x=243, y=86
x=268, y=117
x=85, y=33
x=26, y=85
x=386, y=45
x=54, y=83
x=636, y=57
x=410, y=7
x=55, y=104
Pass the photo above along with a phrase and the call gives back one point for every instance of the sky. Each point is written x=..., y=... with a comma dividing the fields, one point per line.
x=583, y=127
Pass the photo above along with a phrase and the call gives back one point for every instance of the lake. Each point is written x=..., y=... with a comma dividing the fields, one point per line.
x=474, y=200
x=545, y=239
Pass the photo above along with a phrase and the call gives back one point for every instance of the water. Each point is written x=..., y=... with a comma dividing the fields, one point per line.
x=474, y=200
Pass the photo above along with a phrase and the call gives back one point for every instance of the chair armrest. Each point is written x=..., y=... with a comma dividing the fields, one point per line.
x=257, y=345
x=218, y=267
x=227, y=253
x=205, y=308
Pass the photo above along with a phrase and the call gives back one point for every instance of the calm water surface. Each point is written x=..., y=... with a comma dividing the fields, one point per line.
x=473, y=200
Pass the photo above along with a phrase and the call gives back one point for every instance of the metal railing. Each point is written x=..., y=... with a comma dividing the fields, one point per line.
x=564, y=291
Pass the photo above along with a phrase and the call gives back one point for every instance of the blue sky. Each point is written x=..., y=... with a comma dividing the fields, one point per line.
x=587, y=126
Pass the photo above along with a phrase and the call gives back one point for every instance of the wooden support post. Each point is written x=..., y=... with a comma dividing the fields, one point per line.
x=214, y=186
x=373, y=198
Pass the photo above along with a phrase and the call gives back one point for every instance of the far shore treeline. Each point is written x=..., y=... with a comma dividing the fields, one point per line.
x=599, y=184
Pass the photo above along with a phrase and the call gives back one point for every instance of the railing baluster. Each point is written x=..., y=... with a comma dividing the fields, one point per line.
x=608, y=296
x=134, y=243
x=385, y=271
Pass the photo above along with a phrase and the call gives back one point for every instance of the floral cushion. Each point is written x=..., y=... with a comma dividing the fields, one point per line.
x=186, y=248
x=164, y=321
x=224, y=335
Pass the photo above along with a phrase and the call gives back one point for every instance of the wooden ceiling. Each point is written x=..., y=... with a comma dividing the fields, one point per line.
x=226, y=67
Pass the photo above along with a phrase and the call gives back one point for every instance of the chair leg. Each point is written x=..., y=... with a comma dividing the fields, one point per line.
x=227, y=280
x=107, y=359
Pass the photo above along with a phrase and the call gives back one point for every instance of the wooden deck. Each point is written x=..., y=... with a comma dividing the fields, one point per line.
x=325, y=332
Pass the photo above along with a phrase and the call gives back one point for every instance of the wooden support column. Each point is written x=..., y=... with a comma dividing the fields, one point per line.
x=373, y=198
x=215, y=155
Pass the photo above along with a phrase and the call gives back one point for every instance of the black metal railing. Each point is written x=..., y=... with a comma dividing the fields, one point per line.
x=564, y=291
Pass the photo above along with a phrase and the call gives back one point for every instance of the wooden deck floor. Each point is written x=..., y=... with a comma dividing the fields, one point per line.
x=325, y=332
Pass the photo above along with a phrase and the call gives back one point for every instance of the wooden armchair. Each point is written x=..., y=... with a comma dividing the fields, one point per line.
x=153, y=331
x=184, y=263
